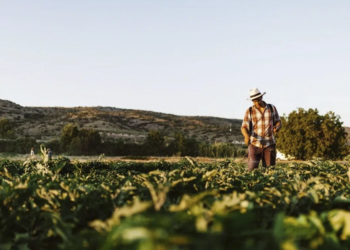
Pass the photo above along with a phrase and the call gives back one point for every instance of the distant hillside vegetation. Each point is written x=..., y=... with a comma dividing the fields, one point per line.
x=46, y=123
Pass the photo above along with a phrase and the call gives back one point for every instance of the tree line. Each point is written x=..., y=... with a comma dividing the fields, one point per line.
x=305, y=134
x=75, y=141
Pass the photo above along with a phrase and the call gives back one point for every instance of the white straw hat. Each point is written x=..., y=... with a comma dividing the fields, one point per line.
x=255, y=93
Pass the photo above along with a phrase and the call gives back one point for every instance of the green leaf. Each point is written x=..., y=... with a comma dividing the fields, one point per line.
x=23, y=247
x=340, y=220
x=6, y=246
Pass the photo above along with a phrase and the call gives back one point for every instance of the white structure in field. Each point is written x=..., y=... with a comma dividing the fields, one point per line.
x=238, y=142
x=281, y=156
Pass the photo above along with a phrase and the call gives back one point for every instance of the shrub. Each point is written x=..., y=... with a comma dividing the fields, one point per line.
x=307, y=134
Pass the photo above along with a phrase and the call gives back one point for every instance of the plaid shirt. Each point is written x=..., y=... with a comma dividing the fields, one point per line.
x=262, y=126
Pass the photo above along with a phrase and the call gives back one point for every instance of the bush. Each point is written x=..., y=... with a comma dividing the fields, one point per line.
x=307, y=134
x=6, y=129
x=19, y=146
x=347, y=158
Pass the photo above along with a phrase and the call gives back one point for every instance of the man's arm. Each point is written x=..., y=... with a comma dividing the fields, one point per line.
x=245, y=133
x=278, y=124
x=244, y=128
x=277, y=127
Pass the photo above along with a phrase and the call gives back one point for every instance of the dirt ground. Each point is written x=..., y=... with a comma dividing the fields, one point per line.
x=122, y=158
x=140, y=159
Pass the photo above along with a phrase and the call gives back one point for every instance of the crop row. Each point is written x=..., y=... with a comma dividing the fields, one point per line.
x=62, y=204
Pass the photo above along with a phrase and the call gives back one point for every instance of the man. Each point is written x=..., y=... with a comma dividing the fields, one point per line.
x=261, y=122
x=49, y=154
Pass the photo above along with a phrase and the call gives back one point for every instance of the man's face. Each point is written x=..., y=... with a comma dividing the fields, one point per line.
x=258, y=102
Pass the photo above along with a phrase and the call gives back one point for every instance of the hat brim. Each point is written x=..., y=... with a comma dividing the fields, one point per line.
x=255, y=97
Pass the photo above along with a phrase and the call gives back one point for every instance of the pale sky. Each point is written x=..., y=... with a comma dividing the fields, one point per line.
x=183, y=57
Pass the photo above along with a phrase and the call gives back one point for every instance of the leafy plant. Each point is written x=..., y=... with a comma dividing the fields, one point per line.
x=160, y=205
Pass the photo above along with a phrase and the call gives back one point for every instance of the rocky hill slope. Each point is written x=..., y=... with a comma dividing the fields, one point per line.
x=46, y=123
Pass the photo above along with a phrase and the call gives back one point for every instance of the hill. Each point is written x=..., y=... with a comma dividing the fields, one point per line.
x=46, y=123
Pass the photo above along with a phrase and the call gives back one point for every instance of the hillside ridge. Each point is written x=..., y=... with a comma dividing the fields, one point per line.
x=46, y=123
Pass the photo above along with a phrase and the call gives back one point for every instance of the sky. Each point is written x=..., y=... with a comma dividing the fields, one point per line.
x=183, y=57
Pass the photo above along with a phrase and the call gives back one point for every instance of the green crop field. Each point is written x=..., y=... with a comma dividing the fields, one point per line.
x=64, y=204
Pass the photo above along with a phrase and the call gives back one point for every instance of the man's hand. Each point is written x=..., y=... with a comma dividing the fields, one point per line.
x=246, y=140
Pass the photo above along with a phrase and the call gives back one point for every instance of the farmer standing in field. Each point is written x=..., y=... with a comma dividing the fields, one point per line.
x=260, y=123
x=49, y=154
